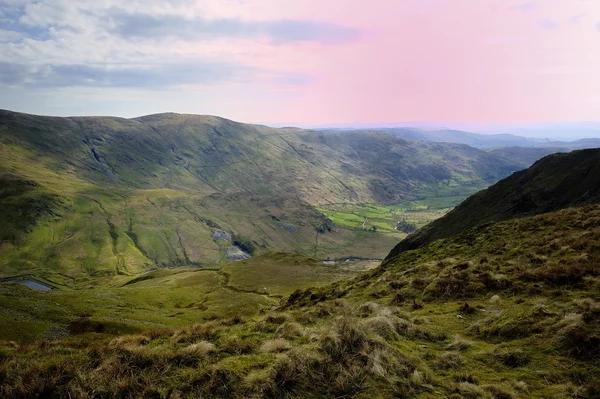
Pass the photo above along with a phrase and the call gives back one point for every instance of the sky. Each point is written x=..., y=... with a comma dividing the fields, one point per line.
x=305, y=62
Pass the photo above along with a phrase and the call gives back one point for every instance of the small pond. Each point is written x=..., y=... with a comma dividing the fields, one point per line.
x=33, y=284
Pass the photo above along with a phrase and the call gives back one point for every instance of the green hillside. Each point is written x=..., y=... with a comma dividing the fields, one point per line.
x=95, y=197
x=211, y=154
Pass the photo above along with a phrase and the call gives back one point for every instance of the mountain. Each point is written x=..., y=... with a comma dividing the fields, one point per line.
x=504, y=310
x=206, y=153
x=555, y=182
x=101, y=196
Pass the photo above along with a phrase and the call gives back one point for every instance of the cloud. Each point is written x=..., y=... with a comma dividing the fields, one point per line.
x=56, y=43
x=598, y=26
x=139, y=25
x=548, y=25
x=171, y=18
x=529, y=6
x=156, y=76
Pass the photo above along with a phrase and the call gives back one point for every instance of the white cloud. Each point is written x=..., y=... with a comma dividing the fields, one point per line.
x=105, y=42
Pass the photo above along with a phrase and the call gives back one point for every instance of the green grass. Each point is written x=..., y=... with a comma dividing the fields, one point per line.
x=126, y=232
x=386, y=218
x=102, y=201
x=431, y=202
x=281, y=274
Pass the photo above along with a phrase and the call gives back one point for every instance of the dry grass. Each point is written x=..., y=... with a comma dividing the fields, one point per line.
x=383, y=326
x=368, y=308
x=275, y=346
x=199, y=349
x=460, y=344
x=470, y=391
x=290, y=330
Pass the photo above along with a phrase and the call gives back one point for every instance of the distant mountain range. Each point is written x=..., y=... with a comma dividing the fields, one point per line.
x=478, y=140
x=564, y=131
x=519, y=149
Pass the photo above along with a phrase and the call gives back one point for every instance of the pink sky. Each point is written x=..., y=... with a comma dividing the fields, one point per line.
x=473, y=61
x=454, y=61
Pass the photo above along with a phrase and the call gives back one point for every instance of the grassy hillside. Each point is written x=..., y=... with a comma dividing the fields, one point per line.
x=87, y=198
x=554, y=182
x=504, y=310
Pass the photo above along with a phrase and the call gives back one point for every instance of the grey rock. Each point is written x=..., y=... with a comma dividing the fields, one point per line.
x=236, y=254
x=221, y=235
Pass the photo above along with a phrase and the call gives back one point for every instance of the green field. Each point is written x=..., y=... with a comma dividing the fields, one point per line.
x=429, y=204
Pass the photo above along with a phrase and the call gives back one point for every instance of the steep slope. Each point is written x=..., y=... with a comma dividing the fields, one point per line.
x=99, y=196
x=393, y=168
x=554, y=182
